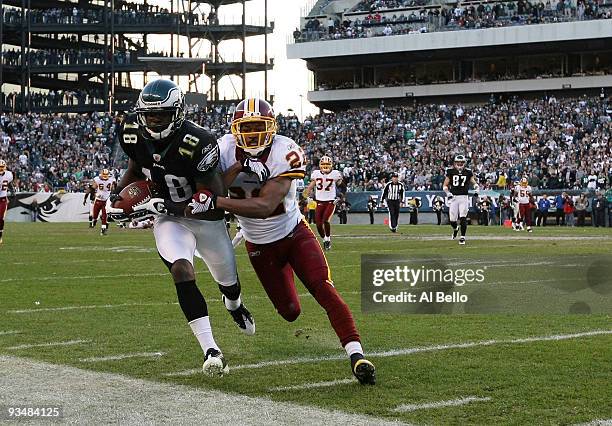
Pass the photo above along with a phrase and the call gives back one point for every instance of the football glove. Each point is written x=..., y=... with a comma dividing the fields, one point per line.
x=116, y=215
x=202, y=201
x=449, y=196
x=153, y=207
x=257, y=168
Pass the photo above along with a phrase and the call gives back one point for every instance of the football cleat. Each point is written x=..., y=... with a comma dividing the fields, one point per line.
x=462, y=241
x=243, y=319
x=529, y=229
x=394, y=230
x=363, y=370
x=214, y=363
x=326, y=245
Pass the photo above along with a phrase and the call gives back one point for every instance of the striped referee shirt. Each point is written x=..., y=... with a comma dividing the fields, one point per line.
x=393, y=191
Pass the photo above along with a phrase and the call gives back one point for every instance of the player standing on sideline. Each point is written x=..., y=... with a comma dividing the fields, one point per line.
x=393, y=195
x=456, y=185
x=102, y=186
x=326, y=181
x=522, y=192
x=6, y=178
x=181, y=157
x=260, y=169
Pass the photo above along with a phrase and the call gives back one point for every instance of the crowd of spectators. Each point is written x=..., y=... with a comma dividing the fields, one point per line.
x=12, y=57
x=128, y=14
x=54, y=98
x=446, y=18
x=55, y=151
x=555, y=143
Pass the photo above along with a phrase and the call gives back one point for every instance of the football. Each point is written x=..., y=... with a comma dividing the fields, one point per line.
x=135, y=194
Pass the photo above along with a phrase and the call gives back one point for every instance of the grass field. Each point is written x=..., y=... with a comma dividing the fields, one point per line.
x=65, y=283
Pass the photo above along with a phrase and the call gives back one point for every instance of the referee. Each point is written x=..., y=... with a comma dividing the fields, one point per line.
x=393, y=194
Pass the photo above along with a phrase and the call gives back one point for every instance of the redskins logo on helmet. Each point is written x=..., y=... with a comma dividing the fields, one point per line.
x=104, y=174
x=253, y=126
x=2, y=166
x=459, y=162
x=523, y=182
x=325, y=164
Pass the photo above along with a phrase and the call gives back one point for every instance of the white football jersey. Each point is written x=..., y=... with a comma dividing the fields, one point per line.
x=286, y=159
x=522, y=194
x=103, y=187
x=5, y=179
x=325, y=184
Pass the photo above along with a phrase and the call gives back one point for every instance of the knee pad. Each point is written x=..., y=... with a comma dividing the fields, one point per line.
x=290, y=312
x=182, y=270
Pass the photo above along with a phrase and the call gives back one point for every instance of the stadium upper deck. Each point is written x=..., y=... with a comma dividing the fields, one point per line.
x=359, y=56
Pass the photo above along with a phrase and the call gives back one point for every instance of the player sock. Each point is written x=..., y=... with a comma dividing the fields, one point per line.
x=191, y=300
x=327, y=227
x=232, y=296
x=326, y=238
x=353, y=348
x=463, y=226
x=203, y=332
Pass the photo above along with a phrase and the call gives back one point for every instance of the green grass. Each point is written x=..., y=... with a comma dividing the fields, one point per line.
x=546, y=382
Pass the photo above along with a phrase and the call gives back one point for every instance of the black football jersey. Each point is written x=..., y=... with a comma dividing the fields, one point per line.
x=459, y=180
x=174, y=164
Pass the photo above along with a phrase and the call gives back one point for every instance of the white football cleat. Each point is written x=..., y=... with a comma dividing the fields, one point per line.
x=462, y=241
x=214, y=363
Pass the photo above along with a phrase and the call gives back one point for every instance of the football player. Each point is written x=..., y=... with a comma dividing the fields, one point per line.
x=261, y=168
x=102, y=185
x=456, y=185
x=90, y=196
x=6, y=179
x=180, y=158
x=522, y=193
x=326, y=181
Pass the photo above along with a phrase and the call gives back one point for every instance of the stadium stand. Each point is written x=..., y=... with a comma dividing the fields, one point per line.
x=558, y=143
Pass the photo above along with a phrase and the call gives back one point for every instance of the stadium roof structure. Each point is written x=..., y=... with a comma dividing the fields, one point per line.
x=119, y=35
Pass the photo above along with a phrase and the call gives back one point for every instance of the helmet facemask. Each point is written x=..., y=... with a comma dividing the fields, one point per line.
x=254, y=133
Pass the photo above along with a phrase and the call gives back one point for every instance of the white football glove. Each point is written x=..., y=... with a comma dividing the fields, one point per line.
x=256, y=167
x=153, y=207
x=449, y=196
x=202, y=201
x=117, y=215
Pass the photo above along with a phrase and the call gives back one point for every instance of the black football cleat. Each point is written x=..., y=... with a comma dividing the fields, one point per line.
x=462, y=241
x=326, y=245
x=363, y=370
x=243, y=319
x=214, y=363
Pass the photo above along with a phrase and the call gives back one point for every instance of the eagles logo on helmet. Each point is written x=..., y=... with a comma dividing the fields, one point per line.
x=459, y=162
x=325, y=164
x=254, y=126
x=160, y=108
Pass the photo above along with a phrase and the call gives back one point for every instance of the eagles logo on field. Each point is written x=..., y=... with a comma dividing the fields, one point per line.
x=209, y=159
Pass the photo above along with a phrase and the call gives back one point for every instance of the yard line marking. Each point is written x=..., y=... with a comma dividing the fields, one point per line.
x=406, y=408
x=313, y=385
x=597, y=422
x=84, y=277
x=404, y=351
x=8, y=332
x=122, y=305
x=124, y=356
x=88, y=396
x=79, y=307
x=45, y=345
